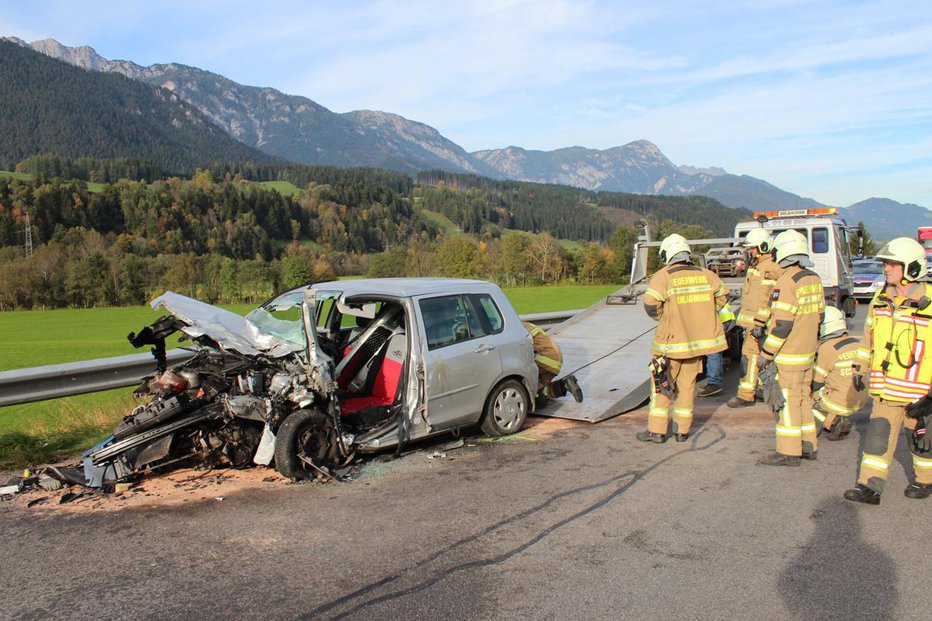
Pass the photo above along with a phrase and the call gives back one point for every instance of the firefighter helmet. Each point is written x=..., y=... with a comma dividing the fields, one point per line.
x=908, y=253
x=832, y=321
x=760, y=239
x=671, y=246
x=788, y=244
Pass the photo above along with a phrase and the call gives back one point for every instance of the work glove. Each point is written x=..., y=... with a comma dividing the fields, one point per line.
x=762, y=362
x=921, y=439
x=759, y=333
x=858, y=380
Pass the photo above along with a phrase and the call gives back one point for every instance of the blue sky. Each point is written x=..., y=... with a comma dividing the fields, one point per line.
x=830, y=99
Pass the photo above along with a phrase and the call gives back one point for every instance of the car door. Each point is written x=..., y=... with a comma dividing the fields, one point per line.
x=461, y=360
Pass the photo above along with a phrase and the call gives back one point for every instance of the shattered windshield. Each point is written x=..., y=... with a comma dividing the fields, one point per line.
x=281, y=317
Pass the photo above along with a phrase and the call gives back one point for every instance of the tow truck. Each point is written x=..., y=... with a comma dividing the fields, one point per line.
x=829, y=247
x=607, y=346
x=924, y=237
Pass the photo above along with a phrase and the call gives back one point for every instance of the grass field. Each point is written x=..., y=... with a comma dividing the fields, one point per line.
x=39, y=432
x=441, y=221
x=285, y=188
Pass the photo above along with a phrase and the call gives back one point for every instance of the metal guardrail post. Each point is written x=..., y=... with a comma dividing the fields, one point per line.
x=75, y=378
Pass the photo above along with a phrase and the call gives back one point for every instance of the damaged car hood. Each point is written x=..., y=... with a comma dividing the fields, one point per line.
x=229, y=330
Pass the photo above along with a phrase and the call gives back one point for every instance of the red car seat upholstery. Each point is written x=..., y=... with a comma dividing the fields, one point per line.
x=387, y=380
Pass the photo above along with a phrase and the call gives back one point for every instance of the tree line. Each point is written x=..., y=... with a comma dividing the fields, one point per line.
x=222, y=238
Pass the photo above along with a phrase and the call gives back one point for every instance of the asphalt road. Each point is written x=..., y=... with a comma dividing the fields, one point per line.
x=570, y=520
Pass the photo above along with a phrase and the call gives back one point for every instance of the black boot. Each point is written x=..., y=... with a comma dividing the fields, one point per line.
x=918, y=490
x=839, y=430
x=572, y=386
x=738, y=402
x=681, y=437
x=808, y=452
x=648, y=436
x=778, y=459
x=864, y=494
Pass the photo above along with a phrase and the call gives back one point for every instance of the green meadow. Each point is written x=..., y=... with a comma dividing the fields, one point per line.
x=38, y=432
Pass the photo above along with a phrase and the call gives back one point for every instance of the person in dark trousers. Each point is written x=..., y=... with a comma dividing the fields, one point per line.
x=715, y=363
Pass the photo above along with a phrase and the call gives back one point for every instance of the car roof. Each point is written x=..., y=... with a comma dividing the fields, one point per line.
x=402, y=287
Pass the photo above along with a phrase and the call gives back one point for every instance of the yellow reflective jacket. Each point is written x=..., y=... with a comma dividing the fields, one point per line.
x=547, y=355
x=685, y=299
x=755, y=295
x=798, y=302
x=837, y=361
x=898, y=334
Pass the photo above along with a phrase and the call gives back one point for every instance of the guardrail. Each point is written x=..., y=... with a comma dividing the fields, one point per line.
x=75, y=378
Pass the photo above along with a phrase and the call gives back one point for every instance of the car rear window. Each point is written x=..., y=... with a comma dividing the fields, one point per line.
x=488, y=310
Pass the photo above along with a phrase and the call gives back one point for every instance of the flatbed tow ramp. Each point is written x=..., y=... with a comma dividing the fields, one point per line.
x=607, y=346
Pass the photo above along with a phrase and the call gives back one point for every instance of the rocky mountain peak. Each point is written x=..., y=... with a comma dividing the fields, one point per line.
x=712, y=171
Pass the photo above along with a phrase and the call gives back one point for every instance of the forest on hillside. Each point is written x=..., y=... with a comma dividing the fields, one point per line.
x=223, y=237
x=52, y=107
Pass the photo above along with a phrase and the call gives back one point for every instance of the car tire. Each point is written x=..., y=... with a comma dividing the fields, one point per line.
x=306, y=434
x=506, y=409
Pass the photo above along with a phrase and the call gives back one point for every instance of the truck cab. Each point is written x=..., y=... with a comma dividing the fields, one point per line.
x=829, y=248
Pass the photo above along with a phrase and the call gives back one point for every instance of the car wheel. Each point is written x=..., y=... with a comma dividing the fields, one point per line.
x=303, y=443
x=506, y=409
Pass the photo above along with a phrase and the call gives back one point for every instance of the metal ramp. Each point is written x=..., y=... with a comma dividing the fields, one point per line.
x=608, y=347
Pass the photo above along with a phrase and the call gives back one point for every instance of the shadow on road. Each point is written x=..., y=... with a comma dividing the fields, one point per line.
x=838, y=575
x=461, y=556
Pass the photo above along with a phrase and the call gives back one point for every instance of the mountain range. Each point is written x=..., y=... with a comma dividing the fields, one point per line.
x=298, y=129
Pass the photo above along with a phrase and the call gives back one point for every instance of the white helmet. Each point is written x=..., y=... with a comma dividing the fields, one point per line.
x=760, y=239
x=789, y=243
x=832, y=321
x=671, y=246
x=907, y=252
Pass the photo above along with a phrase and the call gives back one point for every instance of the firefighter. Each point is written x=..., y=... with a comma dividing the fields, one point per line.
x=685, y=299
x=796, y=308
x=549, y=360
x=838, y=389
x=897, y=331
x=755, y=309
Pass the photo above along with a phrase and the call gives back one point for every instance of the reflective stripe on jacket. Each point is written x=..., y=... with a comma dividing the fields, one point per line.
x=755, y=296
x=798, y=302
x=685, y=299
x=547, y=355
x=899, y=334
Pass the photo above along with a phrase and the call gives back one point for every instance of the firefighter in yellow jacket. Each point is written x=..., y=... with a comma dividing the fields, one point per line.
x=549, y=360
x=838, y=388
x=755, y=309
x=898, y=333
x=685, y=299
x=796, y=308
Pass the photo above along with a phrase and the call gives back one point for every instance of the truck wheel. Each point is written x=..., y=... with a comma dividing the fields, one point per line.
x=306, y=435
x=506, y=409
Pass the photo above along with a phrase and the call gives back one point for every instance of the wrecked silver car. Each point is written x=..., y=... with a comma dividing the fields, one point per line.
x=319, y=373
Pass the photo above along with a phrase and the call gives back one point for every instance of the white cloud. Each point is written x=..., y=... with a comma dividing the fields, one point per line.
x=791, y=91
